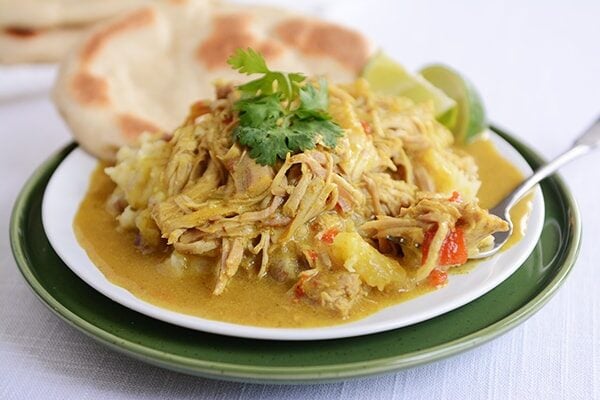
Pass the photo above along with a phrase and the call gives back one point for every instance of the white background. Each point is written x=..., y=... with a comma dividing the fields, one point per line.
x=537, y=65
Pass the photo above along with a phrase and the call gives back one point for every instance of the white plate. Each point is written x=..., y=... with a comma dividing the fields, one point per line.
x=68, y=186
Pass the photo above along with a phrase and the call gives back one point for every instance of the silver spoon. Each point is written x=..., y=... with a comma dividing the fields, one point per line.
x=587, y=142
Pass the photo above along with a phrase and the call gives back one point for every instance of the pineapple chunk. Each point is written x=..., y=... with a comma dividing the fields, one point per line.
x=374, y=268
x=447, y=176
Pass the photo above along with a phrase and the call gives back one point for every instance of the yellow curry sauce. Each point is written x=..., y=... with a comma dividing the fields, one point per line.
x=248, y=300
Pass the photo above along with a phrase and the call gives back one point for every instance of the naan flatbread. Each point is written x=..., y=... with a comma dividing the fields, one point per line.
x=36, y=14
x=19, y=45
x=142, y=71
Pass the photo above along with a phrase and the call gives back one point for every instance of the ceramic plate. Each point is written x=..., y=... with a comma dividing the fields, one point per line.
x=182, y=349
x=69, y=184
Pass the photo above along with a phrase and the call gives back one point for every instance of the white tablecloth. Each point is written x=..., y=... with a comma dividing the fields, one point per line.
x=537, y=64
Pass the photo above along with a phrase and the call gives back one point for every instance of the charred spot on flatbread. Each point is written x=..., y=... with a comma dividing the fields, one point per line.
x=320, y=38
x=229, y=33
x=21, y=33
x=90, y=89
x=132, y=126
x=94, y=44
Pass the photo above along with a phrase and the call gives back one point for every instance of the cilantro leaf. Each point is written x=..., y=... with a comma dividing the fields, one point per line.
x=265, y=144
x=312, y=113
x=259, y=111
x=248, y=62
x=327, y=130
x=313, y=101
x=300, y=136
x=252, y=62
x=279, y=113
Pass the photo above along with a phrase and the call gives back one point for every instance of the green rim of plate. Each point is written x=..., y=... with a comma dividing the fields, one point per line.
x=209, y=355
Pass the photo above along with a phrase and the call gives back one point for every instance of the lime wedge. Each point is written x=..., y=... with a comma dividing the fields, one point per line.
x=470, y=119
x=387, y=76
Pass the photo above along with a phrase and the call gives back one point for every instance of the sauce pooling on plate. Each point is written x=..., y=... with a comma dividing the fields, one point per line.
x=247, y=300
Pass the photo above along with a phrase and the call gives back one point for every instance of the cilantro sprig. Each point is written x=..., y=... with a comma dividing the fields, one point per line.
x=280, y=113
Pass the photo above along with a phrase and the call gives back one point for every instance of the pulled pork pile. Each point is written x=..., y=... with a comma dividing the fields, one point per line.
x=391, y=205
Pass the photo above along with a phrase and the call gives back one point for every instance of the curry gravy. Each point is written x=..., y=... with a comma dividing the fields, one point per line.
x=246, y=300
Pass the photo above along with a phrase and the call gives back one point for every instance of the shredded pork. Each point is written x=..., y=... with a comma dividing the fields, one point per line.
x=391, y=178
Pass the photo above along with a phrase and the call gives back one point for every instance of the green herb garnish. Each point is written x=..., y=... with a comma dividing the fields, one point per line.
x=280, y=113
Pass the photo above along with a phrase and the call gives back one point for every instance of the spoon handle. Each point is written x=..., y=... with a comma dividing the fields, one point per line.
x=588, y=141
